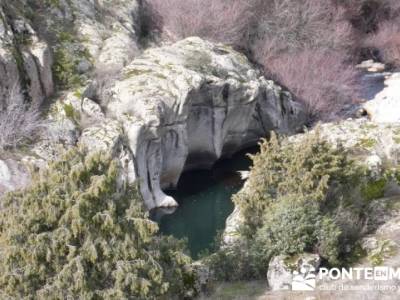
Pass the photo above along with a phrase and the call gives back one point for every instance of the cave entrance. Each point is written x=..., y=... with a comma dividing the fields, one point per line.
x=204, y=198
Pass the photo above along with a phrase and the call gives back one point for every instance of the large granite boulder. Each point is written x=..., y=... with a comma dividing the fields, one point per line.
x=186, y=105
x=174, y=108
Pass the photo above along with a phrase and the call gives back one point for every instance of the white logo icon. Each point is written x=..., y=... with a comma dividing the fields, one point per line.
x=305, y=280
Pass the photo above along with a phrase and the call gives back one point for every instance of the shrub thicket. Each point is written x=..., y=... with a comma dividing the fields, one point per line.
x=377, y=23
x=306, y=170
x=306, y=196
x=320, y=79
x=225, y=21
x=289, y=25
x=387, y=42
x=366, y=15
x=73, y=234
x=307, y=45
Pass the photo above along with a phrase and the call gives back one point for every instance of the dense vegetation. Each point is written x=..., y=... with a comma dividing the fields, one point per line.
x=301, y=197
x=75, y=234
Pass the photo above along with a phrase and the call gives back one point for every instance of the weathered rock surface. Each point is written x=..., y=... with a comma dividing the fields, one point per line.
x=231, y=233
x=64, y=40
x=111, y=40
x=187, y=105
x=25, y=59
x=109, y=136
x=371, y=66
x=71, y=121
x=385, y=107
x=14, y=174
x=382, y=245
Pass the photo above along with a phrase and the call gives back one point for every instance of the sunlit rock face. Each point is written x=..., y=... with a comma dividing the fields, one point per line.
x=186, y=105
x=25, y=59
x=385, y=107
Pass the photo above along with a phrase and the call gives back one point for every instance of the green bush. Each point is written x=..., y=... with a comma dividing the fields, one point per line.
x=68, y=52
x=291, y=227
x=374, y=189
x=302, y=196
x=74, y=234
x=65, y=68
x=241, y=261
x=313, y=171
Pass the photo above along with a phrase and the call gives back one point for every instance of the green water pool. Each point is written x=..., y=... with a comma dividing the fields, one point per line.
x=205, y=203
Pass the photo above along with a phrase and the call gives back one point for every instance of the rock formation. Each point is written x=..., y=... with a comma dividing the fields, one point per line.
x=64, y=40
x=13, y=175
x=172, y=109
x=43, y=44
x=186, y=105
x=24, y=59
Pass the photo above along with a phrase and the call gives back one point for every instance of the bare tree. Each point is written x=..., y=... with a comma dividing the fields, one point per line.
x=306, y=45
x=19, y=122
x=225, y=21
x=320, y=79
x=366, y=15
x=387, y=41
x=292, y=25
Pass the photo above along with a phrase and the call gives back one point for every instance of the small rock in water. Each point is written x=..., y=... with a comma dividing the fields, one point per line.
x=371, y=66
